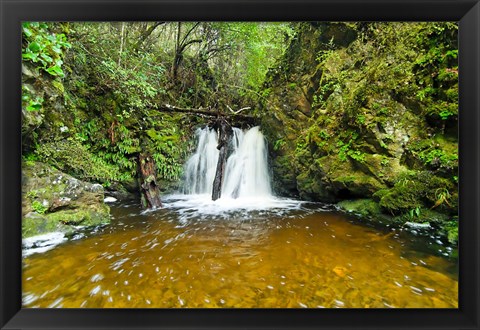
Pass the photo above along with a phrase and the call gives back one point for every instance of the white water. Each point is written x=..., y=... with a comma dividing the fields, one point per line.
x=246, y=185
x=42, y=243
x=246, y=170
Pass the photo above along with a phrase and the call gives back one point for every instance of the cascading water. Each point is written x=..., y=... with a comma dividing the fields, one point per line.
x=200, y=168
x=246, y=170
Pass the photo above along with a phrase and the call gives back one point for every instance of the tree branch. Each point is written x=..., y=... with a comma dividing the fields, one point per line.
x=146, y=34
x=189, y=31
x=204, y=112
x=182, y=48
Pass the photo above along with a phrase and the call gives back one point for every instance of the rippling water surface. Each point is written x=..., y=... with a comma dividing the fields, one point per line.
x=240, y=253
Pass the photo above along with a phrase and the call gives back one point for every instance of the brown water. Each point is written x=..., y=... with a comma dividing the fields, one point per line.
x=302, y=256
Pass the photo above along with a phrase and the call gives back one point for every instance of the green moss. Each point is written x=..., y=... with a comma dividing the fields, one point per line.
x=63, y=221
x=308, y=186
x=36, y=225
x=79, y=217
x=364, y=207
x=424, y=215
x=453, y=235
x=416, y=190
x=398, y=200
x=74, y=158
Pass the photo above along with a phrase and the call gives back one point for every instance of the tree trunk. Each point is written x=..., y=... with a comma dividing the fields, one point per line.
x=224, y=132
x=121, y=44
x=148, y=183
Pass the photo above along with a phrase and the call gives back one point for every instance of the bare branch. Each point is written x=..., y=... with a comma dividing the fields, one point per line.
x=238, y=111
x=204, y=112
x=146, y=34
x=189, y=31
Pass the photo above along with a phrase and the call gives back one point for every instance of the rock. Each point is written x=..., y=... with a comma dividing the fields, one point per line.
x=96, y=188
x=53, y=201
x=58, y=203
x=364, y=207
x=109, y=199
x=340, y=271
x=415, y=225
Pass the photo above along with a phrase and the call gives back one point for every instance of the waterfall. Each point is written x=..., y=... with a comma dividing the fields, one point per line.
x=246, y=169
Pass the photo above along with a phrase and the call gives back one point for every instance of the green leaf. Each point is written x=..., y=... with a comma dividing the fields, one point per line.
x=30, y=56
x=55, y=71
x=34, y=47
x=46, y=57
x=56, y=49
x=34, y=107
x=27, y=32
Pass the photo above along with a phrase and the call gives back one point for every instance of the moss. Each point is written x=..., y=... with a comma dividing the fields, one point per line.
x=364, y=207
x=311, y=187
x=416, y=190
x=424, y=215
x=55, y=201
x=36, y=225
x=453, y=235
x=398, y=200
x=80, y=217
x=74, y=158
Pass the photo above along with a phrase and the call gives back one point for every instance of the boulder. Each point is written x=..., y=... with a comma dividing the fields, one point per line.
x=55, y=201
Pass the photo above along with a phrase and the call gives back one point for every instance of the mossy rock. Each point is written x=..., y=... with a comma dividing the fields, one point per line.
x=55, y=201
x=80, y=217
x=63, y=221
x=363, y=207
x=398, y=200
x=345, y=180
x=311, y=187
x=284, y=178
x=384, y=169
x=419, y=190
x=369, y=211
x=452, y=233
x=34, y=224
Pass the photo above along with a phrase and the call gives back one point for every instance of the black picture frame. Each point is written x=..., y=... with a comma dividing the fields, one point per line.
x=466, y=12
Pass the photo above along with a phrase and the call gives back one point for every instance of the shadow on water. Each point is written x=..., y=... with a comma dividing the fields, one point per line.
x=269, y=253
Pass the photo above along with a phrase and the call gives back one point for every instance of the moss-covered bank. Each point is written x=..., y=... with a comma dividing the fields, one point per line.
x=368, y=110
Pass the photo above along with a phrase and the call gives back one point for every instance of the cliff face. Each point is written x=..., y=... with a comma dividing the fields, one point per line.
x=367, y=110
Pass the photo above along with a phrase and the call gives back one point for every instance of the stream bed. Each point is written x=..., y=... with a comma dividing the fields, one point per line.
x=273, y=253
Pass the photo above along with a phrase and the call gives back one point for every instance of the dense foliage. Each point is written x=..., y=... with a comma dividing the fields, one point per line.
x=108, y=78
x=351, y=110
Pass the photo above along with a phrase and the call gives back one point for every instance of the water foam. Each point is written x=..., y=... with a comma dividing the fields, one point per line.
x=246, y=169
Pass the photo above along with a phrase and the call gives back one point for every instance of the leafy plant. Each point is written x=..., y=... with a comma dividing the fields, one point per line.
x=39, y=207
x=43, y=47
x=279, y=144
x=441, y=195
x=414, y=213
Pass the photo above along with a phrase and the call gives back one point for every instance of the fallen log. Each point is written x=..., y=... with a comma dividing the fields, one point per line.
x=208, y=112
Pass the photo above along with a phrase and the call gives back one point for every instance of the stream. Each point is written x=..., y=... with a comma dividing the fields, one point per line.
x=247, y=249
x=259, y=253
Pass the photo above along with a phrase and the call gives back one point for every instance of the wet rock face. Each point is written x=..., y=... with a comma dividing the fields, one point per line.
x=345, y=121
x=49, y=118
x=55, y=201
